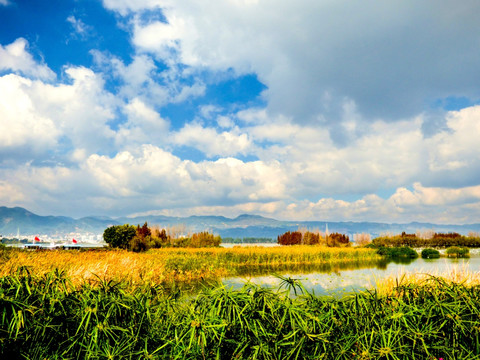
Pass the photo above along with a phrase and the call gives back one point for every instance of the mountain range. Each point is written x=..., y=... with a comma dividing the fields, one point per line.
x=19, y=220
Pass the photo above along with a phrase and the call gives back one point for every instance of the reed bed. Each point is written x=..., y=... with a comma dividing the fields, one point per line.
x=173, y=265
x=48, y=317
x=454, y=274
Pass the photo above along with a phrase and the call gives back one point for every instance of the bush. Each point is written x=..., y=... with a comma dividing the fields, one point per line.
x=204, y=239
x=396, y=252
x=457, y=251
x=310, y=238
x=336, y=239
x=436, y=240
x=430, y=254
x=290, y=238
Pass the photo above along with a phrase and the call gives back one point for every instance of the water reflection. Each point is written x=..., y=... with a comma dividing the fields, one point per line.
x=256, y=270
x=344, y=278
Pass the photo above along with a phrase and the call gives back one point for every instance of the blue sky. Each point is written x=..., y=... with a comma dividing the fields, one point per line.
x=313, y=110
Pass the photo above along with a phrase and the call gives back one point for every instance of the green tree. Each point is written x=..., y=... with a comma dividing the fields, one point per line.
x=119, y=236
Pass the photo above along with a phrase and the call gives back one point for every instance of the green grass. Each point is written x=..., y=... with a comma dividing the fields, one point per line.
x=49, y=317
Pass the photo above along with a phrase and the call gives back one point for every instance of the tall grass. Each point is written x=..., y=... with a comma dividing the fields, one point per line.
x=49, y=317
x=171, y=265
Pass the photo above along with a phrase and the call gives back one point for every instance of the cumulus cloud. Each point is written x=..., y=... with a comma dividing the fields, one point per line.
x=149, y=177
x=142, y=78
x=383, y=57
x=126, y=6
x=211, y=142
x=456, y=147
x=298, y=184
x=39, y=118
x=144, y=126
x=336, y=73
x=81, y=110
x=21, y=126
x=15, y=57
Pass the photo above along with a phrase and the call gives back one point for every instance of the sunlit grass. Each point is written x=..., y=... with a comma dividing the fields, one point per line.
x=171, y=265
x=454, y=274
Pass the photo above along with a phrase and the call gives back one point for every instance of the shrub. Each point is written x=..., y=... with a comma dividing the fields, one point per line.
x=310, y=238
x=430, y=254
x=457, y=251
x=204, y=239
x=396, y=252
x=336, y=239
x=290, y=238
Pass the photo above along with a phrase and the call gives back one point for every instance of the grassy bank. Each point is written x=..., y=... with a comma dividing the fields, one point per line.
x=50, y=317
x=171, y=265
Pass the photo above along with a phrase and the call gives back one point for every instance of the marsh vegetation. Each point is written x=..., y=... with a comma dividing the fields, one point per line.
x=169, y=302
x=50, y=317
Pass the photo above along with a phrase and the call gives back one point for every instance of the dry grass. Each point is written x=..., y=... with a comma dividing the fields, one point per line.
x=173, y=264
x=455, y=274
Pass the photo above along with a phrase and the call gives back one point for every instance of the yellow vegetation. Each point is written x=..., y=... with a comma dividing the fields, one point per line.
x=174, y=264
x=455, y=274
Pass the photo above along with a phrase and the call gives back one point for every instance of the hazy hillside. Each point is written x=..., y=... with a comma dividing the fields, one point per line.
x=28, y=223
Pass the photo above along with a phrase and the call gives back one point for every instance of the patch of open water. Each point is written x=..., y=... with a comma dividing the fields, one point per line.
x=341, y=279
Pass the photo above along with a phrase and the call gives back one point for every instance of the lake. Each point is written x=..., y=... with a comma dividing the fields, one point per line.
x=341, y=279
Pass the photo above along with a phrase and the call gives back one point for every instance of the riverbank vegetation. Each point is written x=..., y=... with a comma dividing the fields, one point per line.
x=175, y=265
x=428, y=239
x=305, y=237
x=142, y=238
x=397, y=252
x=247, y=240
x=50, y=317
x=430, y=254
x=457, y=252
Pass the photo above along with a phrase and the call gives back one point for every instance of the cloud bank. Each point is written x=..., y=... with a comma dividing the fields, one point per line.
x=347, y=126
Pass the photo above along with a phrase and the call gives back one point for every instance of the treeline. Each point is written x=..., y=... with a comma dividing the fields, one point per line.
x=14, y=241
x=247, y=240
x=435, y=240
x=311, y=238
x=142, y=238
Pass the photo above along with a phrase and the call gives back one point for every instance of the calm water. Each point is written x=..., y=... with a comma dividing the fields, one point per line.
x=346, y=278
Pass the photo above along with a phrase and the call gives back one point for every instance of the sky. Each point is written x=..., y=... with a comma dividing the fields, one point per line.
x=328, y=110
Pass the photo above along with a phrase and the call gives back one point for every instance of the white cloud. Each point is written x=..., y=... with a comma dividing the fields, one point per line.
x=39, y=117
x=126, y=6
x=149, y=178
x=15, y=57
x=212, y=143
x=142, y=78
x=4, y=2
x=81, y=110
x=325, y=136
x=314, y=54
x=160, y=37
x=144, y=126
x=456, y=147
x=20, y=123
x=81, y=30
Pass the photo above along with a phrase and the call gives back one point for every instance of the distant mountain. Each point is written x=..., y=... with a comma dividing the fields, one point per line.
x=13, y=220
x=27, y=223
